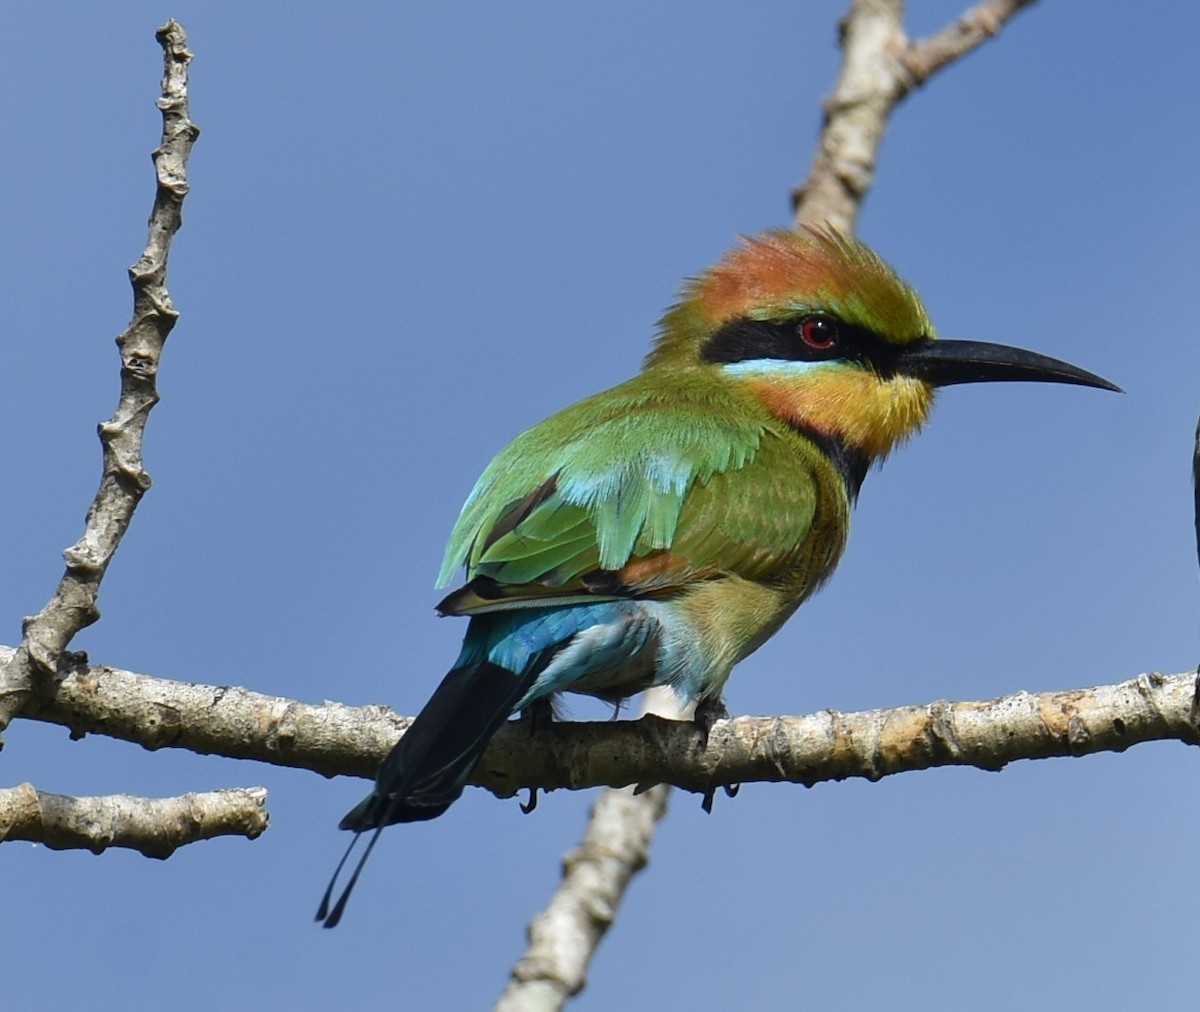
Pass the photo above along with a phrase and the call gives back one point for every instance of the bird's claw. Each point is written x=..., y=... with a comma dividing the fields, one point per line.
x=708, y=712
x=531, y=804
x=538, y=715
x=706, y=802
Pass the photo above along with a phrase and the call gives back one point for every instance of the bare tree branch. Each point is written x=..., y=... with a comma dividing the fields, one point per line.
x=927, y=56
x=871, y=744
x=156, y=827
x=223, y=720
x=124, y=480
x=880, y=66
x=333, y=739
x=564, y=936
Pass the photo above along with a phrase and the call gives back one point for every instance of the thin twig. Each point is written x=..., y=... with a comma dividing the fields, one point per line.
x=880, y=66
x=926, y=57
x=156, y=827
x=123, y=482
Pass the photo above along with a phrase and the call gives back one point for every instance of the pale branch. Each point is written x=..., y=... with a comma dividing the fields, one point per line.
x=124, y=480
x=564, y=936
x=224, y=720
x=333, y=739
x=925, y=57
x=871, y=744
x=156, y=827
x=880, y=66
x=856, y=115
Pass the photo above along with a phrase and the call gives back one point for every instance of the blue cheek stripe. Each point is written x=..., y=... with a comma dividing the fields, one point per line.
x=779, y=367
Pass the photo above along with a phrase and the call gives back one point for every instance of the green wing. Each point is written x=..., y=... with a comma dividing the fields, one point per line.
x=641, y=489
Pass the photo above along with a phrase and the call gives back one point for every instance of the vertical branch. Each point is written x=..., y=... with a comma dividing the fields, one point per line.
x=856, y=115
x=124, y=480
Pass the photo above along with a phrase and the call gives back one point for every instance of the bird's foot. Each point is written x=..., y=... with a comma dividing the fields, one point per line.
x=538, y=715
x=531, y=804
x=708, y=711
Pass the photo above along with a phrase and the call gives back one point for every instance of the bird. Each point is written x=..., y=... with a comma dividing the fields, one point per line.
x=659, y=532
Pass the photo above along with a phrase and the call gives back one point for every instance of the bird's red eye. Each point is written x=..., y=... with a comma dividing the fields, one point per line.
x=819, y=332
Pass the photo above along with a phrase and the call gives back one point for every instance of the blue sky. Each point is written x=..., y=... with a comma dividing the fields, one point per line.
x=417, y=229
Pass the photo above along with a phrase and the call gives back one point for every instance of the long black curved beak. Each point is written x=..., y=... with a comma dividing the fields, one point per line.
x=944, y=363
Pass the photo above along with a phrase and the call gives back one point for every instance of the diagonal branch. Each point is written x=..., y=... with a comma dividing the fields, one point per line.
x=926, y=57
x=123, y=482
x=156, y=827
x=563, y=937
x=880, y=66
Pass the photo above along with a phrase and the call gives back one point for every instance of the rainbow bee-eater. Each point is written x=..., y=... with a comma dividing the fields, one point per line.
x=659, y=532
